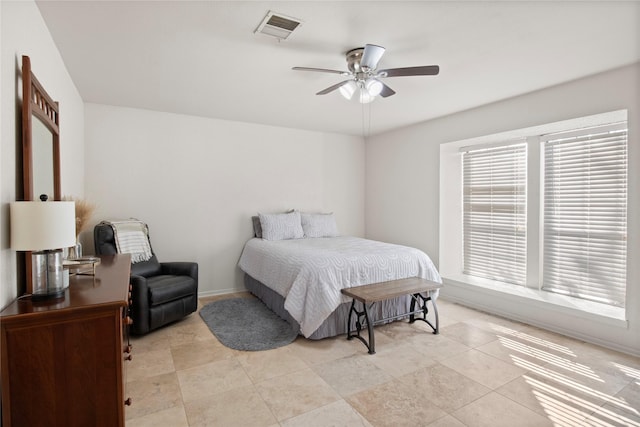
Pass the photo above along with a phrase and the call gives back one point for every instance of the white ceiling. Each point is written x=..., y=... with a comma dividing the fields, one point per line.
x=202, y=58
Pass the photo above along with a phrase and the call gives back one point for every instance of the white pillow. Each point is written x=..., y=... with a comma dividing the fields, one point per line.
x=281, y=226
x=319, y=225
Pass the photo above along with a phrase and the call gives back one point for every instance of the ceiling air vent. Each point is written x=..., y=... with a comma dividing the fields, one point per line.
x=278, y=25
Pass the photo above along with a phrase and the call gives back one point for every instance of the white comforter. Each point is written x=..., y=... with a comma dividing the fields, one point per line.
x=309, y=273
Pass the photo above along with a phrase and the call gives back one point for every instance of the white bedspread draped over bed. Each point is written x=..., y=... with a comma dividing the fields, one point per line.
x=309, y=273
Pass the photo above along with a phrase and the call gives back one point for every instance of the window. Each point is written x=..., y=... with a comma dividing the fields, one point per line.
x=547, y=212
x=494, y=212
x=585, y=213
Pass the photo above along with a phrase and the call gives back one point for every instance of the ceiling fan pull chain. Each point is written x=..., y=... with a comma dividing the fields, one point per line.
x=366, y=119
x=362, y=119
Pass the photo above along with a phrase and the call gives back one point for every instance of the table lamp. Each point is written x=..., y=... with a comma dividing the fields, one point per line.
x=44, y=228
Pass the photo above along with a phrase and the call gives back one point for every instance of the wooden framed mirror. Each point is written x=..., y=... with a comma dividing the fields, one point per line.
x=40, y=139
x=40, y=145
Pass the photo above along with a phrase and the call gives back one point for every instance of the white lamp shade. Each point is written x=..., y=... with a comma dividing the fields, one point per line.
x=374, y=87
x=37, y=226
x=347, y=90
x=365, y=96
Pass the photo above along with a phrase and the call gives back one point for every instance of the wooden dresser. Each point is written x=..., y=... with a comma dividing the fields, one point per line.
x=63, y=361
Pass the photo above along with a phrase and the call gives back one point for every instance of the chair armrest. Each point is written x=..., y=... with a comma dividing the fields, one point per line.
x=139, y=305
x=180, y=269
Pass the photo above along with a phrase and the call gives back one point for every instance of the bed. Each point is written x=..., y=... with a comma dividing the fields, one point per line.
x=300, y=278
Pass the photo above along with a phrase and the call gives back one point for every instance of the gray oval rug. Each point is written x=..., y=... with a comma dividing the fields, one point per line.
x=247, y=324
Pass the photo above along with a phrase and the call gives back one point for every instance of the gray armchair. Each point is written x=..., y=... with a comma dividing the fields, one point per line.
x=162, y=292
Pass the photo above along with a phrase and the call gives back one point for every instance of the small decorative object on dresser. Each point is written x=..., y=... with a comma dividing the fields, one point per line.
x=85, y=265
x=84, y=211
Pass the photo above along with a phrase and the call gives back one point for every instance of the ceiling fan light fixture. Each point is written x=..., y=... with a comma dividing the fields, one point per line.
x=362, y=63
x=365, y=96
x=373, y=86
x=347, y=90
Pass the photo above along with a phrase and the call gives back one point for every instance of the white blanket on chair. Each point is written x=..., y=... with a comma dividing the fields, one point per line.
x=132, y=237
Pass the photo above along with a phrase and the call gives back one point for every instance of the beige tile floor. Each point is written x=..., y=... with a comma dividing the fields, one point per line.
x=480, y=371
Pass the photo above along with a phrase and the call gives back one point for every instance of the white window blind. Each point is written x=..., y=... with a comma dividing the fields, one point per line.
x=585, y=213
x=494, y=212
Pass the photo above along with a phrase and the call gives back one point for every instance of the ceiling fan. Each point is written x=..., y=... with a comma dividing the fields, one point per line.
x=364, y=75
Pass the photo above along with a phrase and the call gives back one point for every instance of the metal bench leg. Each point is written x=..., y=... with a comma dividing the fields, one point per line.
x=351, y=311
x=424, y=311
x=412, y=308
x=371, y=344
x=435, y=311
x=372, y=338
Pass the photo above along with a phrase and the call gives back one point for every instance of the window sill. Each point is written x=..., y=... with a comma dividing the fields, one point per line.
x=587, y=310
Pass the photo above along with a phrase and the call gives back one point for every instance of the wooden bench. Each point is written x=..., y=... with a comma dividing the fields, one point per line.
x=376, y=292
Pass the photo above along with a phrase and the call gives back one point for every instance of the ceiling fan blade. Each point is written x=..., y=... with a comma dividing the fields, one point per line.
x=320, y=70
x=427, y=70
x=332, y=88
x=386, y=91
x=371, y=56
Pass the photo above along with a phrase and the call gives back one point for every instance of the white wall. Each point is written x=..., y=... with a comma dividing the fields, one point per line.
x=402, y=194
x=197, y=181
x=23, y=32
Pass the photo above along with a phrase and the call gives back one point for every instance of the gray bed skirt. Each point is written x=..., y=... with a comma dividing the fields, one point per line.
x=336, y=323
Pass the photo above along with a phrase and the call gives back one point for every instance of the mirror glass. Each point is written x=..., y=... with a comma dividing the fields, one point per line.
x=42, y=159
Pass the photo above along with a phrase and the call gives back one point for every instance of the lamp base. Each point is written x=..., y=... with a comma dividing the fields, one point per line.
x=49, y=295
x=47, y=280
